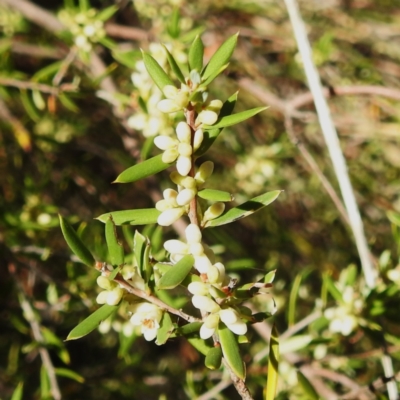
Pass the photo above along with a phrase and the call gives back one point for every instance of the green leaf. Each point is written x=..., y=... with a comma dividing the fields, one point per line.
x=214, y=358
x=234, y=119
x=115, y=249
x=219, y=71
x=143, y=216
x=215, y=195
x=165, y=330
x=91, y=322
x=128, y=58
x=270, y=276
x=68, y=103
x=18, y=392
x=230, y=350
x=177, y=273
x=333, y=290
x=200, y=345
x=294, y=343
x=75, y=243
x=67, y=373
x=211, y=135
x=273, y=365
x=190, y=328
x=155, y=71
x=173, y=27
x=245, y=209
x=394, y=217
x=307, y=387
x=174, y=66
x=107, y=13
x=220, y=57
x=142, y=170
x=141, y=248
x=196, y=54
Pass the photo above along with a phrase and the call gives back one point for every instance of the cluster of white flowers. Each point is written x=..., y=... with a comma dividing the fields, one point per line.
x=206, y=292
x=344, y=318
x=84, y=26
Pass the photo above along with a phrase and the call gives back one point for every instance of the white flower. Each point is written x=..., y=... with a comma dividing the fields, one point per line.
x=176, y=99
x=148, y=317
x=210, y=114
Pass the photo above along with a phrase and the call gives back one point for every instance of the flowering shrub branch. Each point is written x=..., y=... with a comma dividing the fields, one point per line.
x=190, y=263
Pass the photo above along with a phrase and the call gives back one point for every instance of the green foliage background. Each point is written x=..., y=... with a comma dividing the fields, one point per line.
x=60, y=155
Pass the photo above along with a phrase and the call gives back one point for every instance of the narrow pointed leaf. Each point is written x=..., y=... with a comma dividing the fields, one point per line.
x=219, y=71
x=200, y=345
x=211, y=135
x=67, y=373
x=18, y=392
x=154, y=69
x=165, y=330
x=215, y=195
x=115, y=249
x=174, y=276
x=307, y=387
x=196, y=54
x=143, y=216
x=333, y=290
x=142, y=170
x=221, y=56
x=230, y=350
x=234, y=119
x=213, y=358
x=192, y=327
x=173, y=27
x=91, y=322
x=141, y=248
x=75, y=244
x=273, y=364
x=245, y=209
x=174, y=66
x=107, y=13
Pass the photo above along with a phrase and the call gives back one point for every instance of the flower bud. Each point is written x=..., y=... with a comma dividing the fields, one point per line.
x=229, y=316
x=193, y=233
x=202, y=264
x=102, y=297
x=114, y=296
x=168, y=217
x=168, y=106
x=164, y=142
x=198, y=139
x=176, y=246
x=195, y=77
x=204, y=303
x=215, y=105
x=204, y=172
x=196, y=249
x=105, y=283
x=185, y=149
x=182, y=99
x=214, y=211
x=188, y=182
x=170, y=91
x=206, y=117
x=198, y=288
x=170, y=195
x=183, y=132
x=162, y=205
x=185, y=196
x=213, y=274
x=170, y=155
x=184, y=165
x=177, y=178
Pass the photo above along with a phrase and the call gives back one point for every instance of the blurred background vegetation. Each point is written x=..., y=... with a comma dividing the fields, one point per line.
x=68, y=128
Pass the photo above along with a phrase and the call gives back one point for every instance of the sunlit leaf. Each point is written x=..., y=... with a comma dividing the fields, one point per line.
x=213, y=358
x=142, y=170
x=115, y=249
x=92, y=322
x=270, y=276
x=245, y=209
x=196, y=54
x=200, y=345
x=18, y=392
x=75, y=244
x=230, y=350
x=141, y=248
x=234, y=119
x=154, y=69
x=174, y=276
x=165, y=330
x=67, y=373
x=142, y=216
x=215, y=195
x=174, y=66
x=107, y=13
x=220, y=57
x=294, y=343
x=273, y=365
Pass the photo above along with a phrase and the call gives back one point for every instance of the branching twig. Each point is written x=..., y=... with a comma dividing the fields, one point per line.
x=54, y=90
